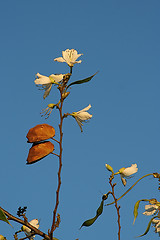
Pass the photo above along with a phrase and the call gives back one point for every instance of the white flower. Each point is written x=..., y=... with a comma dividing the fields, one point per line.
x=69, y=56
x=127, y=172
x=156, y=224
x=34, y=223
x=82, y=116
x=150, y=209
x=47, y=82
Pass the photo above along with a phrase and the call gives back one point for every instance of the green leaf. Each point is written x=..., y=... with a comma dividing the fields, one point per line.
x=89, y=222
x=3, y=217
x=82, y=81
x=136, y=206
x=100, y=209
x=92, y=220
x=148, y=227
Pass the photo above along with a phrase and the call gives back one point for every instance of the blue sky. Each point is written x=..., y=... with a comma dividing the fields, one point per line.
x=121, y=40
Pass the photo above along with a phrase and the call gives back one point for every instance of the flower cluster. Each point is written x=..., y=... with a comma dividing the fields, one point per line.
x=124, y=172
x=28, y=231
x=152, y=209
x=69, y=56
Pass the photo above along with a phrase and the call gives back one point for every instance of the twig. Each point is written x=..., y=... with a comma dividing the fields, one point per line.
x=53, y=227
x=55, y=140
x=27, y=236
x=116, y=205
x=55, y=154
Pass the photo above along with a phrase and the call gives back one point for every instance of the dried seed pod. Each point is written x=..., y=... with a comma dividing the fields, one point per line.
x=40, y=132
x=39, y=151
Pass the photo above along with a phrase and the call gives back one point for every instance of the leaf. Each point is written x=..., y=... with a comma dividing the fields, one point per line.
x=3, y=217
x=148, y=227
x=89, y=222
x=136, y=206
x=40, y=132
x=82, y=81
x=39, y=150
x=92, y=220
x=100, y=209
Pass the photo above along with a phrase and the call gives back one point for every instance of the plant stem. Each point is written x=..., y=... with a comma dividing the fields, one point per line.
x=149, y=174
x=116, y=205
x=60, y=166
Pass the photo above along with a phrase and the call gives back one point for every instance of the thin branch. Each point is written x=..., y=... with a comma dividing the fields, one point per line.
x=116, y=205
x=55, y=154
x=55, y=140
x=53, y=227
x=27, y=236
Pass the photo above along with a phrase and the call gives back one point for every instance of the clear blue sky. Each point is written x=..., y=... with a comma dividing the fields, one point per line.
x=121, y=39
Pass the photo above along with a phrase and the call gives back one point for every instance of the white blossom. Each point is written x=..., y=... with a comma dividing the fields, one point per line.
x=150, y=209
x=156, y=224
x=127, y=172
x=47, y=82
x=27, y=231
x=69, y=56
x=81, y=116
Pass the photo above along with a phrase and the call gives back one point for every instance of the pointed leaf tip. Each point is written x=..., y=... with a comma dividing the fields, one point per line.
x=3, y=217
x=148, y=227
x=136, y=206
x=89, y=222
x=83, y=80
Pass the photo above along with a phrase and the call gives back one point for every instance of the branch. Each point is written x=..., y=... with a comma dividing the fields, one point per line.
x=53, y=227
x=15, y=219
x=116, y=205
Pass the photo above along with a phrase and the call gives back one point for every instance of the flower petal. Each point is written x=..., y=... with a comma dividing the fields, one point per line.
x=79, y=123
x=47, y=88
x=150, y=209
x=75, y=55
x=85, y=109
x=84, y=116
x=130, y=170
x=124, y=181
x=42, y=79
x=66, y=55
x=57, y=77
x=59, y=59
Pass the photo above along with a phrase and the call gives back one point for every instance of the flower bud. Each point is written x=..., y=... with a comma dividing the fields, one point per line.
x=64, y=95
x=109, y=168
x=51, y=105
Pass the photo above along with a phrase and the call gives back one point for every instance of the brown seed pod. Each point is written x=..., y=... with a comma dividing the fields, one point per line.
x=39, y=151
x=40, y=132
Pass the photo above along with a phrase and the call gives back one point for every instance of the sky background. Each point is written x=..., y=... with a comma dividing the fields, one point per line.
x=121, y=39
